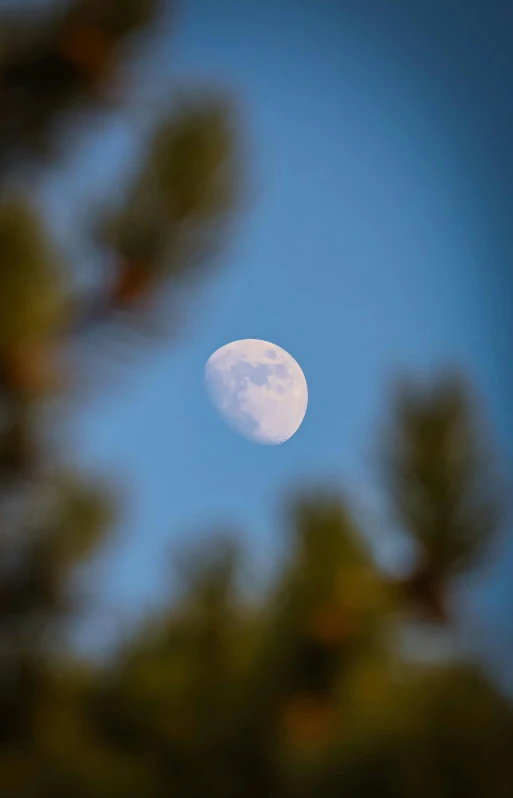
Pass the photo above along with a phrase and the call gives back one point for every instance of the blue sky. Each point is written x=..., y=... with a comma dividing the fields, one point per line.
x=376, y=238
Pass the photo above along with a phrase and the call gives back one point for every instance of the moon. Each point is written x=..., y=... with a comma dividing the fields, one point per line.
x=259, y=390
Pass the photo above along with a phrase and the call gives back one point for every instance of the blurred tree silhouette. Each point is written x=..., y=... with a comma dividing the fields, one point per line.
x=54, y=61
x=301, y=691
x=443, y=488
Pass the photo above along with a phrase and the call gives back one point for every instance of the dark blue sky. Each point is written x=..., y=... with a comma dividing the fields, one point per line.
x=377, y=238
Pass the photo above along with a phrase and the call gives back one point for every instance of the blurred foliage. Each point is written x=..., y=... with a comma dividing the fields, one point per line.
x=32, y=299
x=301, y=691
x=442, y=484
x=172, y=220
x=58, y=61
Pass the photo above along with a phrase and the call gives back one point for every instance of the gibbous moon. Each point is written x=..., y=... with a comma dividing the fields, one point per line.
x=258, y=388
